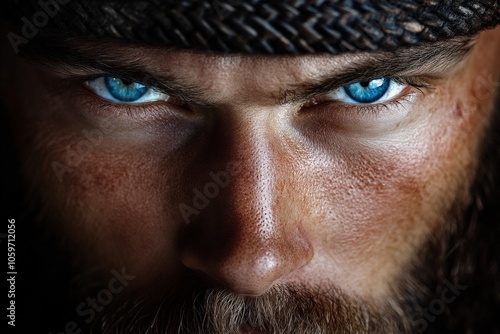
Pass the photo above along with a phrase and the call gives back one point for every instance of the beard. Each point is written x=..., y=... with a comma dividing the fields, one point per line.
x=282, y=309
x=462, y=256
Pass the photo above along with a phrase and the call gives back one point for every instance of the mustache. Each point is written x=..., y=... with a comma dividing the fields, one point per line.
x=283, y=309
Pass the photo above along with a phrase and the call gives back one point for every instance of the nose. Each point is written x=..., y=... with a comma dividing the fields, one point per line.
x=248, y=236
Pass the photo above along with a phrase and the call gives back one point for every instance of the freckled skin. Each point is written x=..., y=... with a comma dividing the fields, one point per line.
x=320, y=197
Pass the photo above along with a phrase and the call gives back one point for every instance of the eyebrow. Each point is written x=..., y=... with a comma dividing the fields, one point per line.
x=430, y=59
x=68, y=57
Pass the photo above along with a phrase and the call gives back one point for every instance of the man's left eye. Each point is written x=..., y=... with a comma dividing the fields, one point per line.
x=121, y=91
x=368, y=92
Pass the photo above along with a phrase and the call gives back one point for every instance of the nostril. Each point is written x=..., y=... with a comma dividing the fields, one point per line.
x=248, y=274
x=248, y=266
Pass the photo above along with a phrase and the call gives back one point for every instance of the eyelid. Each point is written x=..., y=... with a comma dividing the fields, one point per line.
x=98, y=87
x=140, y=114
x=375, y=113
x=420, y=83
x=146, y=80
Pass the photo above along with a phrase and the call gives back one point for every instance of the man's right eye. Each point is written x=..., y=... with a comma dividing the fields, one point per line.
x=125, y=92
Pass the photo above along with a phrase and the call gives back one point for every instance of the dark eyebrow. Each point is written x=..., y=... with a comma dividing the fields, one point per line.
x=64, y=56
x=429, y=59
x=436, y=58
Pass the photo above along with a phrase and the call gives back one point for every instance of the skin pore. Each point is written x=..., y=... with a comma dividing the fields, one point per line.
x=323, y=195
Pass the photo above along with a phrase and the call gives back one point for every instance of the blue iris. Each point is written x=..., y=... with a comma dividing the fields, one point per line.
x=125, y=92
x=368, y=91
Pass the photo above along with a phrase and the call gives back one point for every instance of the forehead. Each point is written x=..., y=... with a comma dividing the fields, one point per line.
x=93, y=53
x=159, y=59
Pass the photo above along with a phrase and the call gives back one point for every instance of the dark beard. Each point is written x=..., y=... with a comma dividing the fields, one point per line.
x=463, y=252
x=282, y=309
x=463, y=255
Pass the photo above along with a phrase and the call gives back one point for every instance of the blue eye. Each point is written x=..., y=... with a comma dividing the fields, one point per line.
x=121, y=91
x=368, y=92
x=125, y=92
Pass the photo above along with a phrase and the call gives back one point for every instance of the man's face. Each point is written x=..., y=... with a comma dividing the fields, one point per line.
x=249, y=176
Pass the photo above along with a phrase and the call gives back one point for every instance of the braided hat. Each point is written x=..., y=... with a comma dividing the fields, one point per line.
x=263, y=27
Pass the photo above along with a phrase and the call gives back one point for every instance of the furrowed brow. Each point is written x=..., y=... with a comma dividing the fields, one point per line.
x=433, y=60
x=430, y=60
x=95, y=58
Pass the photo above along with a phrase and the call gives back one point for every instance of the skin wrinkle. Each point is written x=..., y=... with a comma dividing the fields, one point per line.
x=343, y=211
x=73, y=57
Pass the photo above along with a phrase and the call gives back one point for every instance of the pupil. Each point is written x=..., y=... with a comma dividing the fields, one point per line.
x=365, y=84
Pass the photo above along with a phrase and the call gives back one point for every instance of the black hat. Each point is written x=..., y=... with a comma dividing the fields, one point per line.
x=263, y=27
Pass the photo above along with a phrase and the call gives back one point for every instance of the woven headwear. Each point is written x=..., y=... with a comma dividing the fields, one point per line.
x=268, y=27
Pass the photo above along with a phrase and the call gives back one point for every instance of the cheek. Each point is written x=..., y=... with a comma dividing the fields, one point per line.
x=376, y=201
x=112, y=190
x=371, y=205
x=112, y=194
x=120, y=202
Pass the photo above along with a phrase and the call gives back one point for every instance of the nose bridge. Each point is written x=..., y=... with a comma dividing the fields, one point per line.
x=244, y=239
x=254, y=188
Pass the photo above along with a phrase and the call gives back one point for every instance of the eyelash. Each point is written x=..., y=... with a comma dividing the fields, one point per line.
x=141, y=113
x=374, y=109
x=419, y=84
